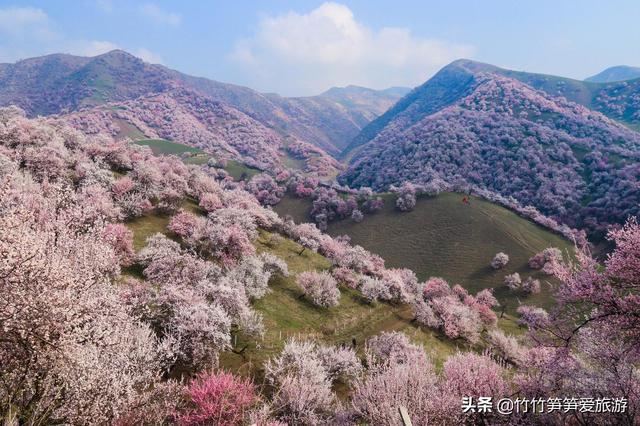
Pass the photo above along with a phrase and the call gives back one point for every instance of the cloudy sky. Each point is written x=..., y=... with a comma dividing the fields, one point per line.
x=304, y=47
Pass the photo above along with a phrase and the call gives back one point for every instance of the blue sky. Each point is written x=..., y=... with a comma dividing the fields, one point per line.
x=305, y=47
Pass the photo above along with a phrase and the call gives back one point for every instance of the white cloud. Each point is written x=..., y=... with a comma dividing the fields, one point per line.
x=307, y=53
x=26, y=32
x=160, y=16
x=148, y=56
x=94, y=48
x=26, y=22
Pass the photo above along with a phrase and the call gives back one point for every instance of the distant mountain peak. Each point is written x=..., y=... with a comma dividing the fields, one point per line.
x=616, y=73
x=472, y=66
x=352, y=88
x=119, y=54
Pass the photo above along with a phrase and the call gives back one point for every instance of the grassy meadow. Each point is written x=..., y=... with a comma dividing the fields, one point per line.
x=446, y=238
x=196, y=156
x=287, y=314
x=441, y=237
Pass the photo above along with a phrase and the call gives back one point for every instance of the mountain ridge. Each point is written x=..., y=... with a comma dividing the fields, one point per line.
x=74, y=82
x=615, y=74
x=617, y=100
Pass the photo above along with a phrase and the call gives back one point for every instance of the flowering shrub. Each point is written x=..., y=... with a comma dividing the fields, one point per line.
x=120, y=238
x=472, y=374
x=546, y=259
x=218, y=398
x=210, y=202
x=513, y=281
x=320, y=287
x=499, y=261
x=454, y=311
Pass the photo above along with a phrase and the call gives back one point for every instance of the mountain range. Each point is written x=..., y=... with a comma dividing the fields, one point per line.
x=568, y=147
x=64, y=84
x=617, y=100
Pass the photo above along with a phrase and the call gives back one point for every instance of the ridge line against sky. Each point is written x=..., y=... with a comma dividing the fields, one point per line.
x=299, y=48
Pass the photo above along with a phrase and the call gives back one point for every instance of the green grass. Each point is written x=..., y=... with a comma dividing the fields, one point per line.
x=239, y=171
x=165, y=147
x=291, y=162
x=444, y=237
x=147, y=225
x=195, y=156
x=297, y=208
x=128, y=130
x=287, y=314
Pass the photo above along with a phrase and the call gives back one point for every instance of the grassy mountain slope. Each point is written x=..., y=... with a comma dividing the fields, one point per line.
x=187, y=117
x=190, y=155
x=617, y=73
x=289, y=315
x=446, y=238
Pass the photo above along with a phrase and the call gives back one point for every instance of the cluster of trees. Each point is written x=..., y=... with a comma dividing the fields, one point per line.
x=70, y=351
x=571, y=163
x=546, y=260
x=589, y=344
x=82, y=343
x=529, y=286
x=329, y=203
x=316, y=161
x=454, y=311
x=266, y=189
x=189, y=118
x=620, y=100
x=393, y=373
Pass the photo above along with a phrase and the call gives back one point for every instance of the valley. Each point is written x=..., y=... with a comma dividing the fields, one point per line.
x=179, y=250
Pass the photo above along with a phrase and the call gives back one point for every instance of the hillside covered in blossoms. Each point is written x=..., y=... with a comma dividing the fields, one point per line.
x=179, y=251
x=58, y=84
x=99, y=328
x=478, y=129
